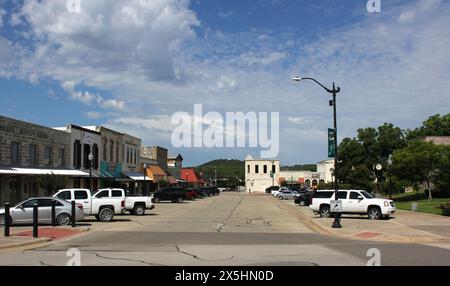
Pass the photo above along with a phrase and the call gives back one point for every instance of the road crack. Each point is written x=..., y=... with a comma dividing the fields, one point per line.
x=201, y=259
x=125, y=259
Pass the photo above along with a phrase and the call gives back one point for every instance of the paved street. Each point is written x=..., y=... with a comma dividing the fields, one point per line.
x=231, y=229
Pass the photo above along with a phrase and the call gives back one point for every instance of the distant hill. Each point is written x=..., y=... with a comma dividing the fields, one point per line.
x=305, y=167
x=229, y=172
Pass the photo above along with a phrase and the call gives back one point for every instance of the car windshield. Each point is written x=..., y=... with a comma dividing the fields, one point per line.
x=367, y=195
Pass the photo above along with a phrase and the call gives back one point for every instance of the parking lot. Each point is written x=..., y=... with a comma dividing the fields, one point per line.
x=229, y=229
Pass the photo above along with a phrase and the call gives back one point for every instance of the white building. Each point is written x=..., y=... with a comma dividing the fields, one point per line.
x=325, y=169
x=258, y=174
x=303, y=178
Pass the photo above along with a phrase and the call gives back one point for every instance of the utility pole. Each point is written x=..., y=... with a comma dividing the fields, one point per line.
x=215, y=177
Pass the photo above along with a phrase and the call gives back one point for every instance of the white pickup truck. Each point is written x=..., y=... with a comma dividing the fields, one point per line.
x=103, y=208
x=353, y=202
x=134, y=204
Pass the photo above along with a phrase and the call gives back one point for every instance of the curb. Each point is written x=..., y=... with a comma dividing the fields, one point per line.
x=382, y=238
x=27, y=243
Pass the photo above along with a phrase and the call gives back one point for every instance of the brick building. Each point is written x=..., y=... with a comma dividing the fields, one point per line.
x=157, y=153
x=28, y=151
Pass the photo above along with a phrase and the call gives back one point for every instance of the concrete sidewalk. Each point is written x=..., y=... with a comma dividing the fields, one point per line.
x=404, y=226
x=21, y=236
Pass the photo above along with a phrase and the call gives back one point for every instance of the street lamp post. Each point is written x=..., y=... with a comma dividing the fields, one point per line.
x=333, y=91
x=389, y=162
x=273, y=174
x=90, y=157
x=144, y=186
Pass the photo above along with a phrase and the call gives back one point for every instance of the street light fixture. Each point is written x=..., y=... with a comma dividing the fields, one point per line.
x=333, y=91
x=144, y=189
x=90, y=158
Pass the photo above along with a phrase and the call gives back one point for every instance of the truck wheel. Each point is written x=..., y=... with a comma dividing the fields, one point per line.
x=106, y=215
x=374, y=213
x=302, y=203
x=63, y=219
x=325, y=212
x=139, y=210
x=179, y=200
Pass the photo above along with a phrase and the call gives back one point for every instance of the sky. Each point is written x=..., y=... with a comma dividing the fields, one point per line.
x=131, y=65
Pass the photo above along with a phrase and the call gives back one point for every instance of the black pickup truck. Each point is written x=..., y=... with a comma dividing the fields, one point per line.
x=174, y=195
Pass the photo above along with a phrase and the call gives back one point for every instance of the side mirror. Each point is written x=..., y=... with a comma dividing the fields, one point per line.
x=360, y=198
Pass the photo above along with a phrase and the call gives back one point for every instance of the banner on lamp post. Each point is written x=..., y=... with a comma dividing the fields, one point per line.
x=331, y=142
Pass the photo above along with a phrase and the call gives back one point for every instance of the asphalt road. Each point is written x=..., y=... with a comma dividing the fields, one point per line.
x=231, y=229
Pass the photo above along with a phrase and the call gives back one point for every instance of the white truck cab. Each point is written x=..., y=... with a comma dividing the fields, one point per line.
x=103, y=208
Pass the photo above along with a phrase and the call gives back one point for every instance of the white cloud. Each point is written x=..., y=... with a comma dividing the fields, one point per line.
x=303, y=119
x=87, y=97
x=394, y=66
x=15, y=20
x=421, y=7
x=94, y=115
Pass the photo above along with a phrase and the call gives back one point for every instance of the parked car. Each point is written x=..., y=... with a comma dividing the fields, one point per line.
x=191, y=193
x=275, y=192
x=353, y=202
x=272, y=188
x=135, y=204
x=103, y=209
x=286, y=195
x=304, y=198
x=214, y=191
x=22, y=213
x=175, y=195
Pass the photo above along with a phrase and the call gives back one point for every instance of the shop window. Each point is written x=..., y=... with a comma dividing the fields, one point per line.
x=15, y=153
x=48, y=155
x=62, y=157
x=111, y=151
x=33, y=155
x=77, y=154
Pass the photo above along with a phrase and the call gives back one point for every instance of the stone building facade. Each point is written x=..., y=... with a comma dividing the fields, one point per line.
x=157, y=153
x=26, y=151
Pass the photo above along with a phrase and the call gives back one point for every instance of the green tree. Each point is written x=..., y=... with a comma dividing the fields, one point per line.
x=417, y=163
x=441, y=178
x=435, y=125
x=371, y=146
x=51, y=183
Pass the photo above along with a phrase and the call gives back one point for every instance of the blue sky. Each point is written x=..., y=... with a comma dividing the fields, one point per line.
x=130, y=65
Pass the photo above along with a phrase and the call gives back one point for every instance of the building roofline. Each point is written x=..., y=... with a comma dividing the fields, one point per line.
x=34, y=124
